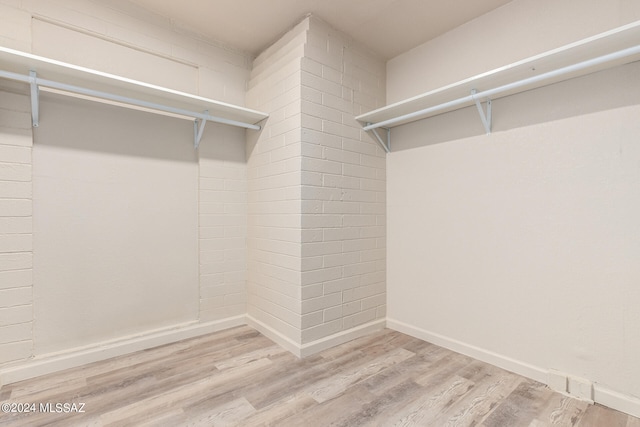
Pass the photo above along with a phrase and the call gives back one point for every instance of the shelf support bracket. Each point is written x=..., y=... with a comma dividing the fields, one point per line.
x=485, y=117
x=198, y=129
x=35, y=99
x=386, y=146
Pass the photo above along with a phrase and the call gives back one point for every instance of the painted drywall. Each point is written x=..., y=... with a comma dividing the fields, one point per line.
x=515, y=31
x=521, y=247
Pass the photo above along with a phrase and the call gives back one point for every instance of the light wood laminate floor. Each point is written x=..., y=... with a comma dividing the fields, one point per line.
x=239, y=377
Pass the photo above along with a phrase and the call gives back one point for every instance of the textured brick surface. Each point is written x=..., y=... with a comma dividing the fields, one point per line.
x=16, y=241
x=292, y=225
x=121, y=29
x=223, y=226
x=317, y=182
x=347, y=255
x=274, y=180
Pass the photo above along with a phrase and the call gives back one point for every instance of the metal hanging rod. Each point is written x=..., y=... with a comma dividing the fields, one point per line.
x=199, y=118
x=491, y=93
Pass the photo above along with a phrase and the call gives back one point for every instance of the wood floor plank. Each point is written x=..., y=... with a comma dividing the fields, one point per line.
x=300, y=376
x=390, y=402
x=633, y=422
x=288, y=377
x=336, y=385
x=427, y=406
x=397, y=374
x=598, y=416
x=287, y=408
x=521, y=406
x=561, y=411
x=333, y=412
x=237, y=377
x=250, y=356
x=181, y=395
x=443, y=369
x=480, y=401
x=42, y=389
x=229, y=414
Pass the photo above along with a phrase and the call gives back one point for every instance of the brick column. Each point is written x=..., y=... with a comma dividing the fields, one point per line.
x=316, y=191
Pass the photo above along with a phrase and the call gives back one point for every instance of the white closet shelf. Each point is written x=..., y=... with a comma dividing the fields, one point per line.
x=609, y=49
x=41, y=72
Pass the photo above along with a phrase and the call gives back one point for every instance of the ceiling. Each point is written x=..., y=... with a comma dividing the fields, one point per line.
x=388, y=27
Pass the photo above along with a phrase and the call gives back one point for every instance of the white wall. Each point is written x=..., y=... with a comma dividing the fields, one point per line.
x=186, y=223
x=521, y=247
x=517, y=30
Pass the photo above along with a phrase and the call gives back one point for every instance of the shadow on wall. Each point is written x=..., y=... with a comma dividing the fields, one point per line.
x=94, y=126
x=15, y=103
x=130, y=132
x=224, y=143
x=605, y=90
x=252, y=138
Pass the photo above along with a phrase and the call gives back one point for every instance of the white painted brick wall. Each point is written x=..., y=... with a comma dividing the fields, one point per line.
x=16, y=238
x=316, y=183
x=344, y=260
x=223, y=226
x=274, y=179
x=221, y=73
x=302, y=222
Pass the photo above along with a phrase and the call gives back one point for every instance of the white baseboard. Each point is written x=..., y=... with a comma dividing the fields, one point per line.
x=618, y=401
x=304, y=350
x=50, y=363
x=612, y=399
x=521, y=368
x=275, y=336
x=72, y=358
x=341, y=337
